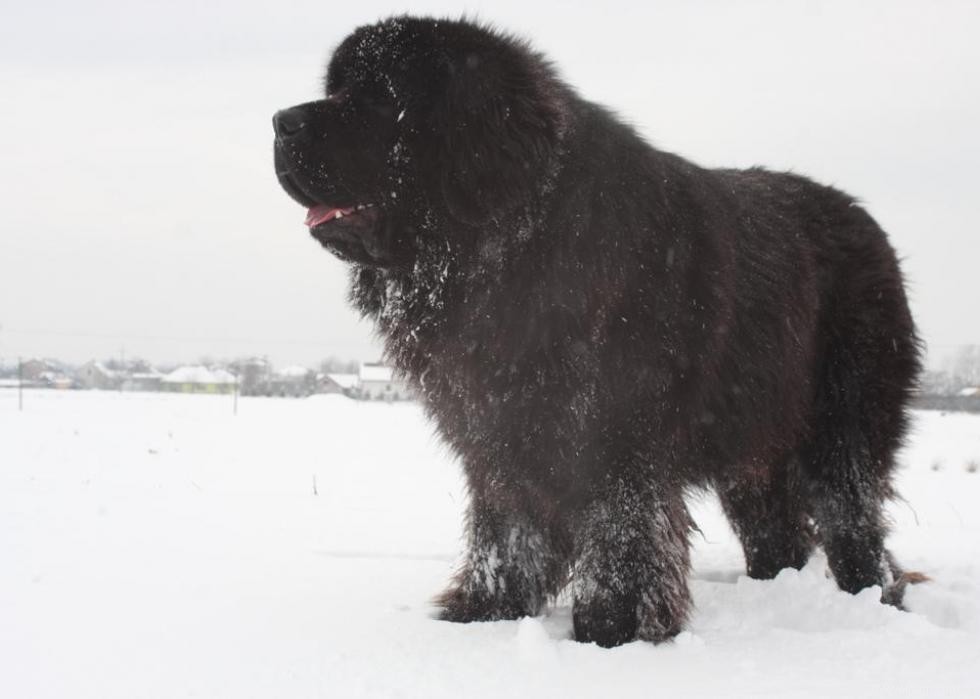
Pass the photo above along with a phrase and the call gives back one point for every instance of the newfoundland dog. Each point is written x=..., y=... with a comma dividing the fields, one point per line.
x=597, y=326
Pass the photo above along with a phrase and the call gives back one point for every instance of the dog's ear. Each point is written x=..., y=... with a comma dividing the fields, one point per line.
x=501, y=120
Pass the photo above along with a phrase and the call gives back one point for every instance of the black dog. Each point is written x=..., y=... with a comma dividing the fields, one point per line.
x=597, y=326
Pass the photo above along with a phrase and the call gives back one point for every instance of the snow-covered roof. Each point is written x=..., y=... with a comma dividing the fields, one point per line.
x=970, y=391
x=223, y=376
x=199, y=375
x=103, y=369
x=375, y=372
x=344, y=380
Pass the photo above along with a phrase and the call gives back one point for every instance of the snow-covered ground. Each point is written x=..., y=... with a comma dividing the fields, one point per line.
x=160, y=546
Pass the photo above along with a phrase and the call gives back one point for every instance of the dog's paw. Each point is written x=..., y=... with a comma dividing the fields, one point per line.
x=463, y=606
x=894, y=593
x=607, y=621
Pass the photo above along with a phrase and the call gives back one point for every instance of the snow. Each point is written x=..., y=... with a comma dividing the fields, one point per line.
x=199, y=375
x=157, y=545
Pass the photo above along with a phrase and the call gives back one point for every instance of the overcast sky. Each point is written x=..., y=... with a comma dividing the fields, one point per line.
x=140, y=212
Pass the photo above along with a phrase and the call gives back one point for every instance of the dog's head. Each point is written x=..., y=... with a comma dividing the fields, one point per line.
x=422, y=120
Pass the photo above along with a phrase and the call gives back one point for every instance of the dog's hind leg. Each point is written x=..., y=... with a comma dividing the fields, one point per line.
x=767, y=510
x=868, y=367
x=848, y=506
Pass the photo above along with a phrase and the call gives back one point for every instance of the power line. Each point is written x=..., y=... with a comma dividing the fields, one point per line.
x=168, y=338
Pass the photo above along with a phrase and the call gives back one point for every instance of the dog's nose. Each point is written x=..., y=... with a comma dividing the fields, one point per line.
x=287, y=122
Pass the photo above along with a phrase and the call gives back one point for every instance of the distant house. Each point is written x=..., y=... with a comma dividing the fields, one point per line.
x=57, y=380
x=98, y=376
x=41, y=372
x=36, y=373
x=377, y=381
x=199, y=379
x=31, y=369
x=345, y=384
x=143, y=381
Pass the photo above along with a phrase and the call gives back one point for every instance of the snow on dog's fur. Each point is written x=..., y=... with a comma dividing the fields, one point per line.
x=596, y=326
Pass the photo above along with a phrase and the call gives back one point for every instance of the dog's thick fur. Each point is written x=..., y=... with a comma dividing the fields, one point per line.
x=597, y=326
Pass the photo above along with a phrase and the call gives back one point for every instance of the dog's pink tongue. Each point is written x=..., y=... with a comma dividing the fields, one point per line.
x=321, y=212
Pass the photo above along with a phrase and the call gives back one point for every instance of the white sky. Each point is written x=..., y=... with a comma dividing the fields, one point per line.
x=140, y=211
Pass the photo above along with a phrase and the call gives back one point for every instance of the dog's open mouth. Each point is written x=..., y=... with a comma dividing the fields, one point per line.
x=349, y=232
x=322, y=213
